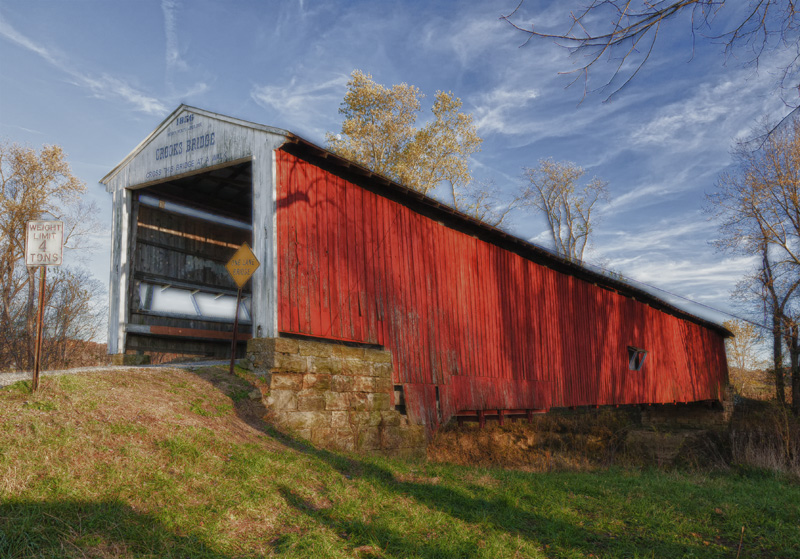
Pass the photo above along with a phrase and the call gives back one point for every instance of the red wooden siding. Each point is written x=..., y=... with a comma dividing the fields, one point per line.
x=489, y=328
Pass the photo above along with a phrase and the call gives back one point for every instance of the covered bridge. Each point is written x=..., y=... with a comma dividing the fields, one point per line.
x=477, y=321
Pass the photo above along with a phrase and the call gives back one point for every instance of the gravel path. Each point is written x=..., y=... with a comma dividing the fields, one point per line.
x=10, y=378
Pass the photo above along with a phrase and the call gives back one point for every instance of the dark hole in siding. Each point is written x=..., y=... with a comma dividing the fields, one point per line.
x=636, y=357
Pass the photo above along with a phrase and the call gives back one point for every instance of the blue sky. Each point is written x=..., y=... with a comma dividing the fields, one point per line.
x=97, y=77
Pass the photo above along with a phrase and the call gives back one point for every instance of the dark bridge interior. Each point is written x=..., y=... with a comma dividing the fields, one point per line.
x=184, y=231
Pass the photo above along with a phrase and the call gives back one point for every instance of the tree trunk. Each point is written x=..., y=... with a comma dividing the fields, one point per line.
x=7, y=330
x=777, y=358
x=794, y=355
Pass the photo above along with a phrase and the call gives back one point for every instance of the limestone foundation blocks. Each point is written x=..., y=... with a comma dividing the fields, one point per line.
x=339, y=397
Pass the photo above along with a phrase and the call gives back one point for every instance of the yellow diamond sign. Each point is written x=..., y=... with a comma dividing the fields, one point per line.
x=242, y=265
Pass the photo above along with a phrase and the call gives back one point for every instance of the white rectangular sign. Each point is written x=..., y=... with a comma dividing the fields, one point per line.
x=44, y=243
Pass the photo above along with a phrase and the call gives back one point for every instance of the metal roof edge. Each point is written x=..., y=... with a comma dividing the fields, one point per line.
x=562, y=264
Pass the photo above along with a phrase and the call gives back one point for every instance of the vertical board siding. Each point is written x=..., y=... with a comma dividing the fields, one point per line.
x=488, y=327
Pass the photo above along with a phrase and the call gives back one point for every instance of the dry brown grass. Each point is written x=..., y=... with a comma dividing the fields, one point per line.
x=573, y=441
x=760, y=435
x=766, y=436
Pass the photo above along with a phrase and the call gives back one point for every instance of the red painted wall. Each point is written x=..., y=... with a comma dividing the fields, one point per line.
x=489, y=328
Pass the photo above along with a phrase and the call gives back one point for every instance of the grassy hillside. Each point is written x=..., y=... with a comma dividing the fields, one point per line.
x=166, y=463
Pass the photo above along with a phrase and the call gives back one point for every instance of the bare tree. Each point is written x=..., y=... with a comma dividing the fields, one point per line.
x=74, y=312
x=486, y=203
x=33, y=185
x=759, y=206
x=553, y=189
x=625, y=33
x=768, y=293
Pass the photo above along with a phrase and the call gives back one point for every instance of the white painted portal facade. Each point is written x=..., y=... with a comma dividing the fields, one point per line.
x=188, y=142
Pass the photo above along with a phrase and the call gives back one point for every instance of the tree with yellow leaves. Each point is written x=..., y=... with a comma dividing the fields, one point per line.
x=379, y=131
x=34, y=185
x=745, y=366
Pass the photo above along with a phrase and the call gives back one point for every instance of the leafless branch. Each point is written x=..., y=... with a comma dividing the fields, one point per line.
x=630, y=30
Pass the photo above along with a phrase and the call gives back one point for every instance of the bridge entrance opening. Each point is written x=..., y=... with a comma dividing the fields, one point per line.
x=181, y=298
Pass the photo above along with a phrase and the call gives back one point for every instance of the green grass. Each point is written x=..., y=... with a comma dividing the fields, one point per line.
x=142, y=473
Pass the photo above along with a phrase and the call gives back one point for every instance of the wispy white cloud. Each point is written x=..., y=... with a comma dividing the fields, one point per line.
x=681, y=125
x=702, y=289
x=696, y=121
x=499, y=109
x=173, y=60
x=18, y=127
x=632, y=197
x=173, y=57
x=109, y=87
x=197, y=89
x=304, y=105
x=296, y=97
x=673, y=253
x=683, y=179
x=104, y=86
x=16, y=37
x=662, y=234
x=685, y=273
x=468, y=37
x=544, y=239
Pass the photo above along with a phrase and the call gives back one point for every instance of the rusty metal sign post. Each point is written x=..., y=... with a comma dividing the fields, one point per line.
x=241, y=267
x=44, y=244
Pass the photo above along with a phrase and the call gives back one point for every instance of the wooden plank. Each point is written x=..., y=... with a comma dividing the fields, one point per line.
x=439, y=337
x=371, y=248
x=334, y=292
x=475, y=280
x=506, y=295
x=392, y=292
x=194, y=333
x=185, y=320
x=284, y=241
x=466, y=316
x=380, y=269
x=421, y=305
x=408, y=335
x=460, y=321
x=343, y=274
x=503, y=300
x=311, y=188
x=295, y=251
x=157, y=261
x=367, y=210
x=356, y=265
x=323, y=214
x=133, y=299
x=303, y=249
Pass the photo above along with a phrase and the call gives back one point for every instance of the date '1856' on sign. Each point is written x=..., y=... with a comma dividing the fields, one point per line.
x=44, y=242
